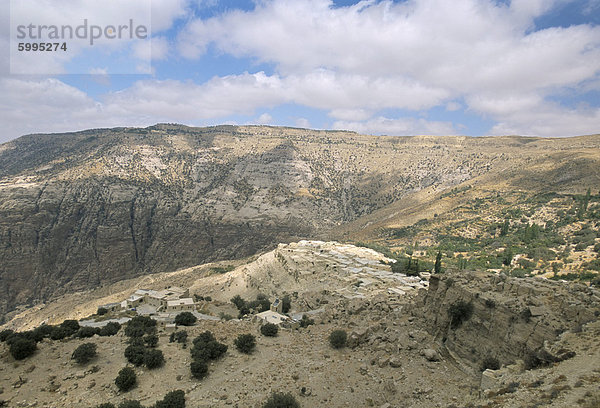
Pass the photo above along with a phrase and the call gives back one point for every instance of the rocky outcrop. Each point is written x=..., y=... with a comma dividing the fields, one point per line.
x=478, y=317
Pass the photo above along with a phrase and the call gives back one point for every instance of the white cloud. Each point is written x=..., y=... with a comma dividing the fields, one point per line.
x=264, y=119
x=407, y=55
x=303, y=123
x=398, y=127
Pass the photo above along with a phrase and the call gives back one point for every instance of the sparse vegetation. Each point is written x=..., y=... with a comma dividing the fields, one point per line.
x=154, y=359
x=126, y=379
x=281, y=400
x=21, y=348
x=337, y=339
x=185, y=319
x=306, y=321
x=459, y=312
x=84, y=353
x=269, y=329
x=245, y=343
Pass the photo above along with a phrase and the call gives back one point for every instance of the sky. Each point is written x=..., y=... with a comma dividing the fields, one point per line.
x=411, y=67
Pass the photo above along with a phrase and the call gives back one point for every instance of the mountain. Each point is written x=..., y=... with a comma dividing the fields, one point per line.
x=81, y=210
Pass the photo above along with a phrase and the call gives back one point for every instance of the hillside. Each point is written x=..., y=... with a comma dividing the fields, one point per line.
x=404, y=346
x=84, y=209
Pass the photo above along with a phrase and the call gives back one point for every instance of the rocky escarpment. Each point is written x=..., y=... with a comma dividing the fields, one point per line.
x=475, y=317
x=83, y=209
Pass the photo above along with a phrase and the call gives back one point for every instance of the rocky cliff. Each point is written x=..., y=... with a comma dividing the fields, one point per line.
x=82, y=209
x=502, y=318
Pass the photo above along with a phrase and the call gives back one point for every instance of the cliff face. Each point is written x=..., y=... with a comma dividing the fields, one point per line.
x=81, y=209
x=510, y=318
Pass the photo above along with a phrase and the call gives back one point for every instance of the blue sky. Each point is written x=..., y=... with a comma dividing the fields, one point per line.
x=442, y=67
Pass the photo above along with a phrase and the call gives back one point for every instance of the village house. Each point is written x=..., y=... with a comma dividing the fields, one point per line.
x=180, y=305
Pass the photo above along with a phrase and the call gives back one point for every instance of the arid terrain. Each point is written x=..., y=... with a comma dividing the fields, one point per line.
x=463, y=270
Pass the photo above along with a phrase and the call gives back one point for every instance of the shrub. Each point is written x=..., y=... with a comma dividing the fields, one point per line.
x=22, y=348
x=154, y=359
x=85, y=332
x=84, y=353
x=179, y=336
x=102, y=311
x=59, y=333
x=71, y=326
x=106, y=405
x=139, y=326
x=5, y=334
x=281, y=400
x=199, y=369
x=173, y=399
x=245, y=343
x=131, y=404
x=269, y=329
x=206, y=347
x=126, y=379
x=306, y=321
x=110, y=329
x=151, y=340
x=338, y=338
x=286, y=304
x=135, y=354
x=459, y=312
x=490, y=362
x=185, y=319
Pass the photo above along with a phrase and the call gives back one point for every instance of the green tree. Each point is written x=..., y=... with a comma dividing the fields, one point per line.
x=154, y=359
x=185, y=319
x=135, y=353
x=438, y=263
x=245, y=343
x=22, y=348
x=126, y=379
x=173, y=399
x=199, y=369
x=269, y=329
x=286, y=304
x=84, y=353
x=507, y=256
x=505, y=227
x=131, y=404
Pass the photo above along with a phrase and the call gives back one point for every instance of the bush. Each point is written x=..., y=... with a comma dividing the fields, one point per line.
x=151, y=340
x=490, y=362
x=106, y=405
x=84, y=353
x=199, y=369
x=179, y=336
x=102, y=311
x=269, y=329
x=245, y=343
x=22, y=348
x=206, y=347
x=173, y=399
x=306, y=321
x=110, y=329
x=185, y=319
x=154, y=359
x=280, y=400
x=459, y=312
x=286, y=304
x=126, y=379
x=338, y=338
x=131, y=404
x=139, y=326
x=71, y=326
x=135, y=354
x=5, y=334
x=59, y=333
x=85, y=332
